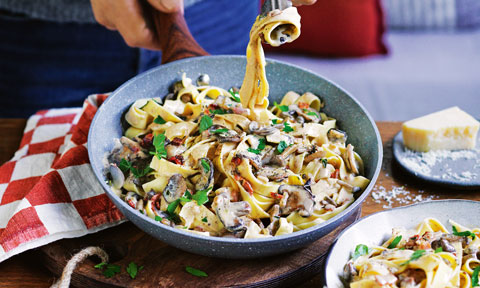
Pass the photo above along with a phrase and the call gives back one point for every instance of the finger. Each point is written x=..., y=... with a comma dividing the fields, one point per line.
x=167, y=6
x=134, y=28
x=303, y=2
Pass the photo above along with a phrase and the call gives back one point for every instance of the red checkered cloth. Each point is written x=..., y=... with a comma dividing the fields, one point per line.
x=48, y=191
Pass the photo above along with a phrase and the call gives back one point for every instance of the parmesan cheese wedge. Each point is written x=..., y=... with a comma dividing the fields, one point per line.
x=449, y=129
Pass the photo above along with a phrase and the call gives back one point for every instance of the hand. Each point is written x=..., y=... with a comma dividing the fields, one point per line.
x=127, y=16
x=303, y=2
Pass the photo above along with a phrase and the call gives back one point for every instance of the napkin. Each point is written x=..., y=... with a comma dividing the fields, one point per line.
x=48, y=190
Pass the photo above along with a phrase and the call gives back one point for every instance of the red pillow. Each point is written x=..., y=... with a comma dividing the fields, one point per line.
x=339, y=28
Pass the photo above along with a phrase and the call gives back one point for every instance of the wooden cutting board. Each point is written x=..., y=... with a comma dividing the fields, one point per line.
x=164, y=266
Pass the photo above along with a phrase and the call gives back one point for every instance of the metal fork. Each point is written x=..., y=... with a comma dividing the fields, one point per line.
x=270, y=5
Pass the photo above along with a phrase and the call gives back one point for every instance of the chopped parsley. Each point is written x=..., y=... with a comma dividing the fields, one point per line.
x=324, y=162
x=360, y=250
x=416, y=255
x=281, y=146
x=205, y=123
x=218, y=111
x=159, y=120
x=438, y=250
x=475, y=277
x=395, y=242
x=283, y=108
x=205, y=165
x=312, y=114
x=125, y=166
x=260, y=147
x=204, y=219
x=172, y=207
x=159, y=144
x=201, y=196
x=464, y=233
x=195, y=272
x=234, y=95
x=132, y=269
x=274, y=121
x=158, y=218
x=110, y=269
x=287, y=127
x=220, y=131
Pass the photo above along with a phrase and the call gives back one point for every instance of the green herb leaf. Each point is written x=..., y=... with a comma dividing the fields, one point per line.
x=274, y=121
x=201, y=196
x=464, y=233
x=204, y=219
x=195, y=272
x=287, y=127
x=324, y=162
x=158, y=218
x=173, y=206
x=100, y=265
x=281, y=146
x=220, y=131
x=110, y=270
x=283, y=108
x=260, y=147
x=360, y=250
x=159, y=144
x=205, y=165
x=205, y=123
x=438, y=250
x=235, y=96
x=312, y=114
x=395, y=242
x=125, y=165
x=218, y=111
x=416, y=255
x=187, y=195
x=132, y=270
x=159, y=120
x=184, y=200
x=475, y=273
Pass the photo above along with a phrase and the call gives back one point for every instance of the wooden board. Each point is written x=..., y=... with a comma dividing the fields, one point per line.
x=164, y=266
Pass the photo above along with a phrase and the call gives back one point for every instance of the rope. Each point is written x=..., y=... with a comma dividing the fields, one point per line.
x=64, y=281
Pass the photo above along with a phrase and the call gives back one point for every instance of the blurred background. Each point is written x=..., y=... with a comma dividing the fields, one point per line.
x=400, y=58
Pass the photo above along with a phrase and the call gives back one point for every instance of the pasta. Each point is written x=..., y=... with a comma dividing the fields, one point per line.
x=222, y=163
x=427, y=257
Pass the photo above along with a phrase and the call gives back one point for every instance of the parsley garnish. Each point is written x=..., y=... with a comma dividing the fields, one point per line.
x=159, y=120
x=172, y=207
x=195, y=272
x=132, y=269
x=235, y=96
x=274, y=121
x=220, y=131
x=218, y=111
x=110, y=269
x=125, y=165
x=416, y=255
x=201, y=196
x=475, y=276
x=159, y=144
x=283, y=108
x=464, y=233
x=260, y=147
x=287, y=127
x=312, y=114
x=205, y=165
x=324, y=162
x=205, y=123
x=360, y=250
x=281, y=146
x=438, y=250
x=204, y=219
x=395, y=242
x=158, y=218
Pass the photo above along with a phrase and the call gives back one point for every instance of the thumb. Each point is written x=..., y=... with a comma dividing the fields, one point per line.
x=167, y=6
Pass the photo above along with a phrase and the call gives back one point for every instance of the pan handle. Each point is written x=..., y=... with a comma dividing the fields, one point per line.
x=174, y=37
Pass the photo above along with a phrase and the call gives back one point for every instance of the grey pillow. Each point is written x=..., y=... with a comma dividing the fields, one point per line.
x=432, y=14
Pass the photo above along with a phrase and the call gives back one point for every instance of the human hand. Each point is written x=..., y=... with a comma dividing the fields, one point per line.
x=303, y=2
x=128, y=18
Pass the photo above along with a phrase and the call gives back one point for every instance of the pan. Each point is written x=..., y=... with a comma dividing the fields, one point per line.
x=184, y=55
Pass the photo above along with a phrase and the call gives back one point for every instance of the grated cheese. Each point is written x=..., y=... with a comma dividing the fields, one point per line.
x=398, y=196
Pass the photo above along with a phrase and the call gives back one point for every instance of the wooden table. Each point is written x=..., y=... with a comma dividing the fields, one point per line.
x=24, y=270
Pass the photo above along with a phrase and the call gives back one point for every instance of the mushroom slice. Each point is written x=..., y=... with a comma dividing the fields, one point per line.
x=300, y=198
x=230, y=213
x=315, y=155
x=174, y=150
x=175, y=188
x=252, y=157
x=203, y=80
x=255, y=128
x=206, y=176
x=224, y=135
x=274, y=174
x=351, y=163
x=337, y=136
x=118, y=178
